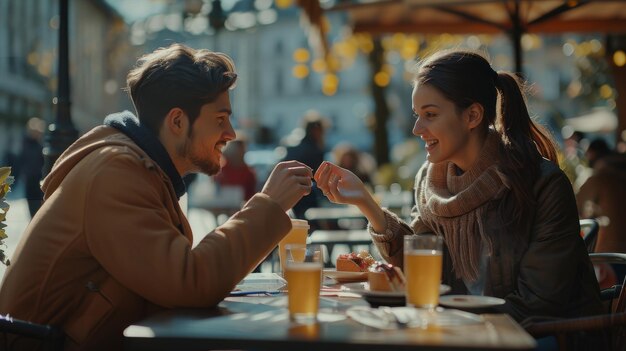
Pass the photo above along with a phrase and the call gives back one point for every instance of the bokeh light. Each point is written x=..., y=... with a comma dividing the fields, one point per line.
x=606, y=91
x=301, y=55
x=382, y=79
x=619, y=58
x=300, y=71
x=283, y=4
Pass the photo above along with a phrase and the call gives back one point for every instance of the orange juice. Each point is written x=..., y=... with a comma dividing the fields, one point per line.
x=297, y=235
x=303, y=286
x=422, y=269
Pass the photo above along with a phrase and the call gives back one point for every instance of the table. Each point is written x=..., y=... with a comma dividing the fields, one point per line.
x=262, y=323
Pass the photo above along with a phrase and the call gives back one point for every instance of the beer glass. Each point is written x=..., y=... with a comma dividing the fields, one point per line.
x=303, y=272
x=297, y=235
x=422, y=270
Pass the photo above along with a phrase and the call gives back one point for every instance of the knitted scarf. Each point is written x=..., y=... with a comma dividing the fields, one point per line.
x=454, y=205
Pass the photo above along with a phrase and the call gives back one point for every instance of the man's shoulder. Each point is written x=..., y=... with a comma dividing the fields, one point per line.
x=114, y=155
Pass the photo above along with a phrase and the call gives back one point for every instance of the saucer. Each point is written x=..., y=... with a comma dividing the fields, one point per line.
x=345, y=276
x=470, y=301
x=383, y=298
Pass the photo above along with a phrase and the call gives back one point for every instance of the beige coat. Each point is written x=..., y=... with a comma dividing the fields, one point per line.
x=111, y=245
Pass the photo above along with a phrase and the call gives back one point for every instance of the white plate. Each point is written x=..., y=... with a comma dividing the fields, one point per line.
x=364, y=289
x=470, y=301
x=343, y=276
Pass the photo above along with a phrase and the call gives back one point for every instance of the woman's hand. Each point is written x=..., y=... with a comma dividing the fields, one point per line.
x=340, y=185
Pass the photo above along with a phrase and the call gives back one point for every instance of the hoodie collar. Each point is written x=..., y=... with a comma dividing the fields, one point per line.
x=128, y=124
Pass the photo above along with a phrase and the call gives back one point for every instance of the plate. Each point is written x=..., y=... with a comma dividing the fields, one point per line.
x=344, y=276
x=383, y=298
x=470, y=301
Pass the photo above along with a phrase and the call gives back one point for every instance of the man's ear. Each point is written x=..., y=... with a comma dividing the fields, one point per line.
x=475, y=113
x=176, y=122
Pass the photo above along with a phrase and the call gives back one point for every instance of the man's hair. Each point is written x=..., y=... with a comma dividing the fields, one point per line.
x=178, y=76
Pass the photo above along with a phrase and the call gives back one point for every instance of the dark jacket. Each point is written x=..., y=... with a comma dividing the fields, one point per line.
x=547, y=272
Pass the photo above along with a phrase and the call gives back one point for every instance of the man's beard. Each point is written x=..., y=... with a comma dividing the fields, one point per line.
x=205, y=166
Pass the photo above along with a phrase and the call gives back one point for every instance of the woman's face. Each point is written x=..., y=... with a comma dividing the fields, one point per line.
x=443, y=129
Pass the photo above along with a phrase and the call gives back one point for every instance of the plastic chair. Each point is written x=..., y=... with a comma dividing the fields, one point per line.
x=17, y=334
x=613, y=323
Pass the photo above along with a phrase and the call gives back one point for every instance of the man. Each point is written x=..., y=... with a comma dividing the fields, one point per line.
x=110, y=244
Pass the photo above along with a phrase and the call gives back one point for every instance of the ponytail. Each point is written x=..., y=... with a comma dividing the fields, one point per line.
x=525, y=143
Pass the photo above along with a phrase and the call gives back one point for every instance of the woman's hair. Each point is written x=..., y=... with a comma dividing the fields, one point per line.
x=178, y=76
x=466, y=77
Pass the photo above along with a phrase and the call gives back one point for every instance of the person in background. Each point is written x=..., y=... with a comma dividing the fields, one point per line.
x=597, y=149
x=601, y=197
x=310, y=151
x=235, y=171
x=491, y=188
x=111, y=244
x=31, y=163
x=348, y=157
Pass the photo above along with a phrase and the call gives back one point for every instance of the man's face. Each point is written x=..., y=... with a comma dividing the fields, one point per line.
x=209, y=134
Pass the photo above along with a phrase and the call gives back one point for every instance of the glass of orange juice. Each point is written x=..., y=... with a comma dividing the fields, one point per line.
x=303, y=272
x=297, y=235
x=422, y=270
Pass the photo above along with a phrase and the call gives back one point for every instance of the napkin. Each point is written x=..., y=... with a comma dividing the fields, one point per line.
x=385, y=317
x=260, y=283
x=409, y=317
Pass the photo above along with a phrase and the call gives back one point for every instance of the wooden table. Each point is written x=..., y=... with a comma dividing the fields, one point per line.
x=262, y=323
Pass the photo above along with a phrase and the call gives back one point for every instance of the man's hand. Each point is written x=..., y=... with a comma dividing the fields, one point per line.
x=288, y=183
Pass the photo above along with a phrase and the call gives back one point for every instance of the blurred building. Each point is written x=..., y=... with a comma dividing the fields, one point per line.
x=264, y=41
x=99, y=59
x=282, y=76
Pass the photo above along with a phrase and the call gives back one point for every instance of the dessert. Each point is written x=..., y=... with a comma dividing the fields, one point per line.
x=386, y=277
x=353, y=262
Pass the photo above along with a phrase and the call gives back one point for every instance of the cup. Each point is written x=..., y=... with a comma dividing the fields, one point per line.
x=303, y=272
x=422, y=270
x=297, y=235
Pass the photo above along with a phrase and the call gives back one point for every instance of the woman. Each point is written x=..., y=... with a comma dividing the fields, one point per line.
x=491, y=187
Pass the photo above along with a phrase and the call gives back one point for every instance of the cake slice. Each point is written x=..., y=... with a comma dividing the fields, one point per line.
x=386, y=277
x=352, y=262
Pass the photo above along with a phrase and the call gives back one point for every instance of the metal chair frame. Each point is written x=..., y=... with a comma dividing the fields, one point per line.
x=613, y=323
x=14, y=331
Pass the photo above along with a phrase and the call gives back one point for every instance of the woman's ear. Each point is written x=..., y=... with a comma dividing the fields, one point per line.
x=475, y=113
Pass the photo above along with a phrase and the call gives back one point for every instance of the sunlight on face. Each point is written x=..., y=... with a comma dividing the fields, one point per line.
x=440, y=125
x=209, y=134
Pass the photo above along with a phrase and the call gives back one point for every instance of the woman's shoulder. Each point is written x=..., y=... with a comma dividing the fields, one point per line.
x=550, y=175
x=549, y=168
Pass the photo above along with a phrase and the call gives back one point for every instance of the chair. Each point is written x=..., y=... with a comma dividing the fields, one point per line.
x=589, y=229
x=613, y=322
x=17, y=334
